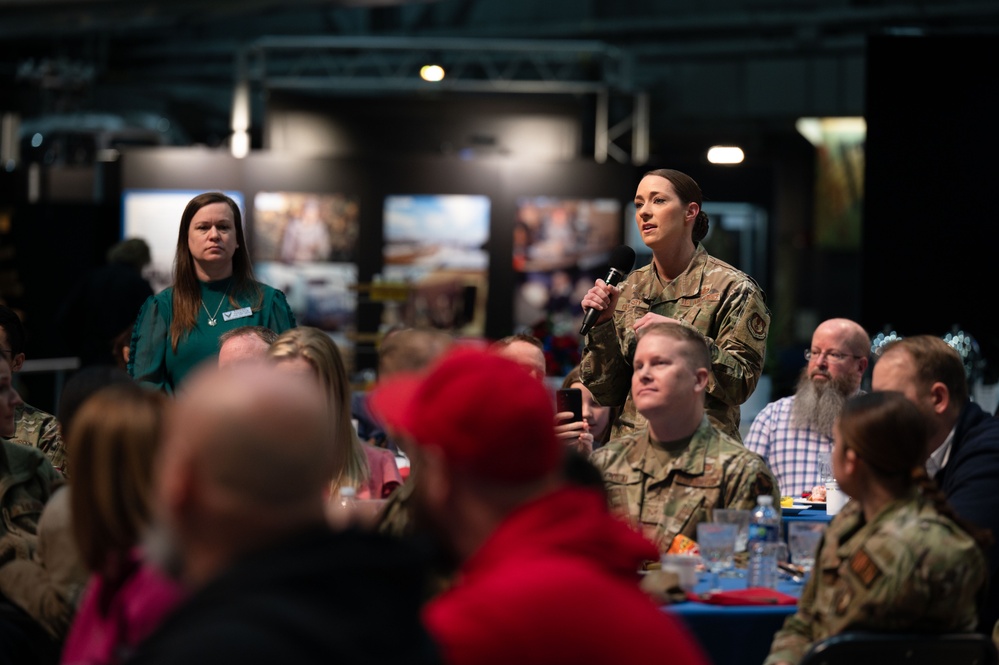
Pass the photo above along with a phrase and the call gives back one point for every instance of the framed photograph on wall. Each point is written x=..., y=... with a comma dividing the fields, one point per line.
x=302, y=227
x=436, y=244
x=305, y=243
x=560, y=246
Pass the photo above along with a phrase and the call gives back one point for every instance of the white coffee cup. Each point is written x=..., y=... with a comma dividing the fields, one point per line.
x=835, y=498
x=685, y=567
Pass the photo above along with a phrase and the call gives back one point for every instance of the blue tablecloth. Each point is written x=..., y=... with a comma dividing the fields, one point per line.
x=817, y=514
x=735, y=635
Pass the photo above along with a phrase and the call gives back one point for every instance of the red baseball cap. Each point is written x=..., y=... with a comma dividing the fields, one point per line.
x=487, y=415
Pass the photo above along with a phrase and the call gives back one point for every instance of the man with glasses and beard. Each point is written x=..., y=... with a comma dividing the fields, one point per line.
x=791, y=433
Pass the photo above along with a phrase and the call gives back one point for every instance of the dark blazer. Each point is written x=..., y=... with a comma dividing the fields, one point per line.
x=971, y=482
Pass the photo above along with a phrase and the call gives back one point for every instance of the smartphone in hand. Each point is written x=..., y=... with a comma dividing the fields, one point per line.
x=570, y=399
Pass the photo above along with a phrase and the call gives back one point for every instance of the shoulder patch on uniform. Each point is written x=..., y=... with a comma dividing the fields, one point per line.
x=757, y=326
x=864, y=568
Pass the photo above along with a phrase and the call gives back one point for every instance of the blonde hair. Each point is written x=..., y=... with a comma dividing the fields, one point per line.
x=112, y=441
x=317, y=349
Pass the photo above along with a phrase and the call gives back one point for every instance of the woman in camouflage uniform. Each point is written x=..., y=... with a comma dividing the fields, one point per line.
x=684, y=285
x=895, y=559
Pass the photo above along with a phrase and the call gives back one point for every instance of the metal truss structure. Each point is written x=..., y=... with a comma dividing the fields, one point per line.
x=355, y=65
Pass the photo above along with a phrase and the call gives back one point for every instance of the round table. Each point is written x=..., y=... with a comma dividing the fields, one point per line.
x=735, y=635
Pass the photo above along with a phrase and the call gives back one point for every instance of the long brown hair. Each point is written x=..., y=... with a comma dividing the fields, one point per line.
x=186, y=288
x=891, y=435
x=322, y=354
x=112, y=441
x=687, y=190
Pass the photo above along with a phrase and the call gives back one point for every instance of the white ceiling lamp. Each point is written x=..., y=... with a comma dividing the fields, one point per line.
x=818, y=131
x=432, y=73
x=725, y=154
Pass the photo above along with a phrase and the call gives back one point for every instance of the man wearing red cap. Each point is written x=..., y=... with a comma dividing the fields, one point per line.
x=547, y=574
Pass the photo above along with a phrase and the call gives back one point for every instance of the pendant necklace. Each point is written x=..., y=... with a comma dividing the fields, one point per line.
x=212, y=321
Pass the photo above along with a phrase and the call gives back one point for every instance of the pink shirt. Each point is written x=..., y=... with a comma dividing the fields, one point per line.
x=134, y=609
x=384, y=473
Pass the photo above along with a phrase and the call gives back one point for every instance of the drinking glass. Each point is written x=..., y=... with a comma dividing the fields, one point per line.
x=740, y=518
x=717, y=544
x=803, y=541
x=825, y=468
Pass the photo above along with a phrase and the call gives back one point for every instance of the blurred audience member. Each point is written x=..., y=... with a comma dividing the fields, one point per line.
x=27, y=481
x=791, y=432
x=121, y=347
x=404, y=353
x=670, y=476
x=33, y=427
x=404, y=350
x=113, y=440
x=82, y=385
x=895, y=558
x=48, y=586
x=240, y=488
x=105, y=302
x=595, y=428
x=309, y=352
x=411, y=350
x=547, y=575
x=963, y=447
x=525, y=350
x=246, y=343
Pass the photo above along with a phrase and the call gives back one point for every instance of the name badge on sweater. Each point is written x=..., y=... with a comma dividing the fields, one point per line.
x=241, y=313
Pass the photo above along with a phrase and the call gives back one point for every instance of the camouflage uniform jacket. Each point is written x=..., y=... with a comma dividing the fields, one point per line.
x=27, y=480
x=714, y=471
x=720, y=302
x=40, y=430
x=909, y=570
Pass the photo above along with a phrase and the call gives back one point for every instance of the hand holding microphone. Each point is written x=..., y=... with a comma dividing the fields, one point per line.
x=596, y=301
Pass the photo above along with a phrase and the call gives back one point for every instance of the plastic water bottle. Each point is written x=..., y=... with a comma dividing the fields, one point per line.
x=764, y=531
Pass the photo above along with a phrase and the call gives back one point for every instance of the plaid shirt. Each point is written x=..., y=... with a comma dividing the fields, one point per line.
x=792, y=452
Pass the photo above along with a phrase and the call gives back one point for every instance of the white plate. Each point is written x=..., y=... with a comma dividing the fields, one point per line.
x=809, y=502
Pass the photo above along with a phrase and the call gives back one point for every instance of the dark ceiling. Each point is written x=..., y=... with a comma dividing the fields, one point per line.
x=737, y=66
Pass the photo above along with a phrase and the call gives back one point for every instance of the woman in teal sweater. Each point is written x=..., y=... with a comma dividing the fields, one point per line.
x=213, y=291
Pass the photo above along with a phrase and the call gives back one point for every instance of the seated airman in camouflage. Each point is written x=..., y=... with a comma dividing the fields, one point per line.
x=896, y=558
x=671, y=476
x=35, y=427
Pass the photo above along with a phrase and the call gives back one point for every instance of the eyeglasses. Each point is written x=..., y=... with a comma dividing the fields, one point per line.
x=831, y=356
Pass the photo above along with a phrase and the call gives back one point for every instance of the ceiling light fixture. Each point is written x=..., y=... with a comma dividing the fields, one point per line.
x=725, y=154
x=432, y=73
x=818, y=131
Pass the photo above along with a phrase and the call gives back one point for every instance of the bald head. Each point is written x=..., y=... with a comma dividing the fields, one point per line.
x=249, y=343
x=524, y=350
x=848, y=334
x=246, y=457
x=260, y=435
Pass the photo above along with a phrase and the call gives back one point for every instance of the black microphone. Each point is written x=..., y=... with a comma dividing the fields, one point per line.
x=621, y=262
